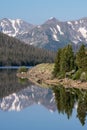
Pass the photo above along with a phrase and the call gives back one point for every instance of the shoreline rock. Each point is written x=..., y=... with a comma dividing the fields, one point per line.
x=42, y=75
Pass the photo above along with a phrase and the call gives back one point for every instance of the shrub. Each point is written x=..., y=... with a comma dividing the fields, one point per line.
x=77, y=75
x=83, y=76
x=61, y=75
x=22, y=69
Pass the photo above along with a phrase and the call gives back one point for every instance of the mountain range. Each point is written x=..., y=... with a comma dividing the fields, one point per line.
x=52, y=34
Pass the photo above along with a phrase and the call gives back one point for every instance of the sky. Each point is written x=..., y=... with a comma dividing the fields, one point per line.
x=38, y=11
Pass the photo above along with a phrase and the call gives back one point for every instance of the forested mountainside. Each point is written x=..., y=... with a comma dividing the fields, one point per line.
x=15, y=52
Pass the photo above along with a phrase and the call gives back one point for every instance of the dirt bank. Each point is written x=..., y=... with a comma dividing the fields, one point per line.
x=42, y=75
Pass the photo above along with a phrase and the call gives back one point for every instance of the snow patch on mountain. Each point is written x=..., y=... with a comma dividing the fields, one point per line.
x=83, y=31
x=59, y=29
x=4, y=23
x=55, y=37
x=76, y=22
x=39, y=26
x=51, y=18
x=16, y=29
x=54, y=31
x=18, y=22
x=51, y=29
x=74, y=41
x=70, y=23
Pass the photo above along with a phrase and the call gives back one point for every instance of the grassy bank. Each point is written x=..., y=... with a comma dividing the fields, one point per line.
x=42, y=75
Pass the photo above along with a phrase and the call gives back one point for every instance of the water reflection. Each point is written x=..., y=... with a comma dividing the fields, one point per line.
x=9, y=83
x=69, y=98
x=16, y=94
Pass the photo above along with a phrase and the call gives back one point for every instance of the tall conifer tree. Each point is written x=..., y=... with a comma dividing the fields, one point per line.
x=80, y=57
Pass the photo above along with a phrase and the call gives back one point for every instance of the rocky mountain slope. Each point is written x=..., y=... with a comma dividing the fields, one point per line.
x=14, y=27
x=50, y=35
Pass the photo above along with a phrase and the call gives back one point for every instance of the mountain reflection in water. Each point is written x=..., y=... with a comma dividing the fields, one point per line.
x=17, y=94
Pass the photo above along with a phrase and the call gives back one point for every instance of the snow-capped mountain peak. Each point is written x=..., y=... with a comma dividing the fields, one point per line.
x=14, y=27
x=52, y=34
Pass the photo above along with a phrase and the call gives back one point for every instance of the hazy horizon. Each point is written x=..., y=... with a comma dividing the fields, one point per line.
x=37, y=12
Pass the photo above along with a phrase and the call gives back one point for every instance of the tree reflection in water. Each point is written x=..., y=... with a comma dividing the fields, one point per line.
x=69, y=98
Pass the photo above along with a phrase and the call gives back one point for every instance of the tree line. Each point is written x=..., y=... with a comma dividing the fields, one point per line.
x=67, y=61
x=14, y=52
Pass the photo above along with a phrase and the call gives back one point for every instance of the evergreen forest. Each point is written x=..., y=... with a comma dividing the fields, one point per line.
x=70, y=64
x=14, y=52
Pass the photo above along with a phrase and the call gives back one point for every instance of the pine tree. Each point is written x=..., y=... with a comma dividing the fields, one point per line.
x=67, y=59
x=64, y=61
x=80, y=56
x=84, y=63
x=57, y=63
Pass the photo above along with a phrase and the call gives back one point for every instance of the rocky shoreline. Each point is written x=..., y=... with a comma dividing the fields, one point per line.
x=42, y=75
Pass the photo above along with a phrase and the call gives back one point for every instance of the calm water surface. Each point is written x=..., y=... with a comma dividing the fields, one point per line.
x=25, y=106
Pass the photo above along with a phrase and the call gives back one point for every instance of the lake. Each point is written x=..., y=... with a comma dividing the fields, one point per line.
x=24, y=105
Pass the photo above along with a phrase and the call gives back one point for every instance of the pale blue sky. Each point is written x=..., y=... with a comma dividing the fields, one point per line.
x=38, y=11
